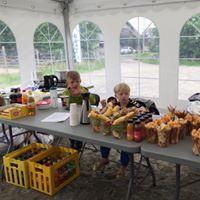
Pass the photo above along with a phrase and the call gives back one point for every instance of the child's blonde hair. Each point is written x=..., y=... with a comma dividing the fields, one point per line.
x=121, y=87
x=73, y=75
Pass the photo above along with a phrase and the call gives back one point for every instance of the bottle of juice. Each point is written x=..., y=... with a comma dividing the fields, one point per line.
x=24, y=97
x=31, y=104
x=130, y=130
x=137, y=131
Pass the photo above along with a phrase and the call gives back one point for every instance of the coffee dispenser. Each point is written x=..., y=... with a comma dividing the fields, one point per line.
x=85, y=109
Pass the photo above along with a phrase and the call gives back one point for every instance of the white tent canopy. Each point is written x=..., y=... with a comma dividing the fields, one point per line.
x=24, y=16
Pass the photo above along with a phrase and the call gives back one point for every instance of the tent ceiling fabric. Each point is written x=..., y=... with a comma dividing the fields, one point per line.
x=84, y=5
x=32, y=5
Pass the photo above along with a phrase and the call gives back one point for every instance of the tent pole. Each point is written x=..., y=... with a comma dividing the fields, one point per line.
x=68, y=38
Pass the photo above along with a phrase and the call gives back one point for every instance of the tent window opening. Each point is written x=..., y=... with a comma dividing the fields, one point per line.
x=139, y=50
x=88, y=55
x=9, y=66
x=189, y=58
x=49, y=50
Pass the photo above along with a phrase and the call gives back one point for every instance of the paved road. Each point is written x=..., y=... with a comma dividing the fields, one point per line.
x=131, y=69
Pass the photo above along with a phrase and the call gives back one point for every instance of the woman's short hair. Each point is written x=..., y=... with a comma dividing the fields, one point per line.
x=121, y=87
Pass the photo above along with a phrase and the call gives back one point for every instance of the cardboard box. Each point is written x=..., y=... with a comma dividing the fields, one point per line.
x=13, y=111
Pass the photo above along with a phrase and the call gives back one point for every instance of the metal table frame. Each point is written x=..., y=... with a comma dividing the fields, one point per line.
x=82, y=133
x=179, y=154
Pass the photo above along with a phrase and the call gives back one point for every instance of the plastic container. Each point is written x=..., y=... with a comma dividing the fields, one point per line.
x=44, y=104
x=54, y=97
x=65, y=101
x=52, y=170
x=16, y=165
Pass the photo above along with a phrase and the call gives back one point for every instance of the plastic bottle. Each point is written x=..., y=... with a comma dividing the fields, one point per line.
x=24, y=97
x=54, y=97
x=31, y=104
x=130, y=130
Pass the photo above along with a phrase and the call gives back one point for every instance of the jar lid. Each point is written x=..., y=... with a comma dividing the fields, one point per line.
x=137, y=121
x=135, y=118
x=142, y=118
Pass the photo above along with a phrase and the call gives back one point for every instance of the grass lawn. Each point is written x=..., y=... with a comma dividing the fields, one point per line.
x=189, y=62
x=7, y=80
x=153, y=58
x=83, y=67
x=147, y=57
x=13, y=79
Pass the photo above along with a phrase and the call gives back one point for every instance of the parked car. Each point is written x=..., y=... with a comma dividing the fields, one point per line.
x=127, y=50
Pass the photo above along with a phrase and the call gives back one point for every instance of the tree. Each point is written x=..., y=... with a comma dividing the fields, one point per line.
x=7, y=40
x=153, y=40
x=90, y=38
x=190, y=38
x=49, y=41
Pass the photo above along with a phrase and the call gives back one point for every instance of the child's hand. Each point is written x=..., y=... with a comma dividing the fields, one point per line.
x=103, y=103
x=142, y=109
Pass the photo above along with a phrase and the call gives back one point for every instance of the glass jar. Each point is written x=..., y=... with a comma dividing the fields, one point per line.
x=134, y=119
x=138, y=116
x=150, y=117
x=130, y=130
x=137, y=131
x=19, y=98
x=143, y=129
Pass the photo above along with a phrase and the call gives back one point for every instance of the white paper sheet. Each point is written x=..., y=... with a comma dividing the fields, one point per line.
x=56, y=117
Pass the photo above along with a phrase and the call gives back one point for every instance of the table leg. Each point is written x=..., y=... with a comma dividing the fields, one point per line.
x=10, y=141
x=151, y=170
x=177, y=181
x=4, y=132
x=131, y=181
x=36, y=137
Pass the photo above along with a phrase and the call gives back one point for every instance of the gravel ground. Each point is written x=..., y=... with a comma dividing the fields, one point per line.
x=99, y=186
